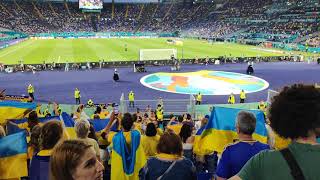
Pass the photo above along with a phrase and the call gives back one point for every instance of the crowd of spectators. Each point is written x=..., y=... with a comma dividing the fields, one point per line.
x=195, y=19
x=168, y=152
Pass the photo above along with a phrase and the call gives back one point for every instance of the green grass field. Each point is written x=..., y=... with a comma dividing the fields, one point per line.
x=82, y=50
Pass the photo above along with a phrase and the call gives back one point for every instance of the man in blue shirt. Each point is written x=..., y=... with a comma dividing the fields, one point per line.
x=235, y=156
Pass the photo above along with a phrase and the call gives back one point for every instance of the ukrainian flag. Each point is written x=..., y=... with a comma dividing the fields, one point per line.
x=14, y=110
x=68, y=124
x=14, y=129
x=220, y=130
x=13, y=156
x=127, y=162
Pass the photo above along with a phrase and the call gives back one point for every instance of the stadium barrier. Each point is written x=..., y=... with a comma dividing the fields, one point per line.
x=170, y=106
x=52, y=65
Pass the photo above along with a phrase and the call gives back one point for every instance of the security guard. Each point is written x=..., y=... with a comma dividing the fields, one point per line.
x=198, y=98
x=90, y=103
x=231, y=99
x=31, y=91
x=77, y=96
x=131, y=99
x=242, y=96
x=159, y=113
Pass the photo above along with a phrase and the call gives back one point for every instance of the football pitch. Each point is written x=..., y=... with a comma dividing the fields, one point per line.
x=34, y=51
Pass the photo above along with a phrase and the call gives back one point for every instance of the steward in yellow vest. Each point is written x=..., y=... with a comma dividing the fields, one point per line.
x=198, y=98
x=77, y=96
x=231, y=99
x=242, y=96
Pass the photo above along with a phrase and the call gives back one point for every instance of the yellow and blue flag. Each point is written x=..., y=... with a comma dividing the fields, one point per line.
x=13, y=156
x=127, y=162
x=14, y=110
x=221, y=131
x=14, y=129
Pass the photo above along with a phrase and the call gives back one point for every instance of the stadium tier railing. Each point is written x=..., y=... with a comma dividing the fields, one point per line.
x=170, y=106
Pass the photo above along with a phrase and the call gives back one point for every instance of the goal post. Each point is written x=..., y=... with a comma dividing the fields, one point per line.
x=271, y=94
x=157, y=54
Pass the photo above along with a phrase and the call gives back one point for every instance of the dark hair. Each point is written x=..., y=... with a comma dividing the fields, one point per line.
x=51, y=133
x=33, y=119
x=134, y=117
x=170, y=143
x=180, y=118
x=34, y=138
x=65, y=159
x=185, y=132
x=127, y=121
x=188, y=116
x=295, y=112
x=151, y=130
x=146, y=115
x=171, y=116
x=246, y=122
x=98, y=110
x=92, y=133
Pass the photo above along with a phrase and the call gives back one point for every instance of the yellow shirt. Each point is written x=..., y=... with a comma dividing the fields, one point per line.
x=150, y=145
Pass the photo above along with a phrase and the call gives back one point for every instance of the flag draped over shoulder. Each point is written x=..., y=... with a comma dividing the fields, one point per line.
x=13, y=156
x=220, y=130
x=127, y=162
x=14, y=110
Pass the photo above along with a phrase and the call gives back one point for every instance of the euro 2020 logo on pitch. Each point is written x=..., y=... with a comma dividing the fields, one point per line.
x=205, y=82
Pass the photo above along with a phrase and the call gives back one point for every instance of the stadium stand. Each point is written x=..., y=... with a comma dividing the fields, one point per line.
x=203, y=142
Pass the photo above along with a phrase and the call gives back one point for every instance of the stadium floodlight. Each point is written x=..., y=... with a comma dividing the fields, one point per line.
x=157, y=54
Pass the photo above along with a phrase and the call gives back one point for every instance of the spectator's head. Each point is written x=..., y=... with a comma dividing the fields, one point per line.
x=32, y=119
x=134, y=117
x=189, y=117
x=51, y=133
x=127, y=122
x=2, y=132
x=34, y=138
x=170, y=143
x=98, y=110
x=82, y=128
x=185, y=132
x=151, y=130
x=204, y=121
x=75, y=160
x=246, y=123
x=80, y=108
x=180, y=119
x=295, y=112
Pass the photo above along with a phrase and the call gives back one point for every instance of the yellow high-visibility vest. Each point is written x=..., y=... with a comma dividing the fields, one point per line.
x=242, y=95
x=199, y=97
x=131, y=96
x=231, y=99
x=30, y=89
x=77, y=94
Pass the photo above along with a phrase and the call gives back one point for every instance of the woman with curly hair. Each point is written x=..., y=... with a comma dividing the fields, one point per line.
x=293, y=114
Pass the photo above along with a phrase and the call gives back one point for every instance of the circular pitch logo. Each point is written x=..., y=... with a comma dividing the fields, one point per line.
x=205, y=82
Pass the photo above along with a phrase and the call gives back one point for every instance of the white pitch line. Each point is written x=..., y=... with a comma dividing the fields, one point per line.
x=27, y=43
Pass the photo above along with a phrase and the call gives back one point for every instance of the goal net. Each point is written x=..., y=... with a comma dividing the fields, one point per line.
x=271, y=94
x=157, y=54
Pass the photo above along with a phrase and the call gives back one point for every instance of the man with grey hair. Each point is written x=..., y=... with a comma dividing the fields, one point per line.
x=82, y=128
x=236, y=155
